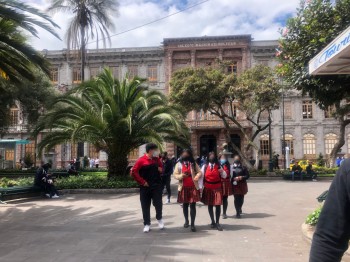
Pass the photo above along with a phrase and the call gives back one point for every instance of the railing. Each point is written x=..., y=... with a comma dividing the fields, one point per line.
x=17, y=128
x=213, y=123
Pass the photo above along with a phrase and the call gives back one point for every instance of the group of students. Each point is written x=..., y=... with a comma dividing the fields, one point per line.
x=212, y=185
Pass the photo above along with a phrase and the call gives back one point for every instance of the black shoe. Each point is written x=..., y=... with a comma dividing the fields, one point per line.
x=193, y=229
x=224, y=216
x=238, y=216
x=186, y=225
x=219, y=227
x=213, y=225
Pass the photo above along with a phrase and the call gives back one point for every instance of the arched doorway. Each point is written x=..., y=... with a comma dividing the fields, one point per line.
x=207, y=144
x=236, y=140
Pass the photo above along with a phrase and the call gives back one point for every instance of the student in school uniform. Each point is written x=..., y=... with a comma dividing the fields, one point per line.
x=188, y=173
x=212, y=192
x=226, y=183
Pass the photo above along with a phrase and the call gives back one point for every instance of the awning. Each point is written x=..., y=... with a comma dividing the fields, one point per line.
x=334, y=59
x=16, y=141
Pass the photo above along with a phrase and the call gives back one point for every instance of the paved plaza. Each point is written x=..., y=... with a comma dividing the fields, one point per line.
x=106, y=228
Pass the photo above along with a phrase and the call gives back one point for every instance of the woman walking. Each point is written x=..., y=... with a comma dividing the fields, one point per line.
x=226, y=183
x=212, y=192
x=188, y=173
x=240, y=175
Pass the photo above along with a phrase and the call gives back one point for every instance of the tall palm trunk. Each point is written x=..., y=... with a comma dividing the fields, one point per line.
x=117, y=165
x=83, y=46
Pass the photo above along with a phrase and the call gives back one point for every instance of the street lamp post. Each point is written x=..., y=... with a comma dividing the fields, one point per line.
x=270, y=145
x=284, y=132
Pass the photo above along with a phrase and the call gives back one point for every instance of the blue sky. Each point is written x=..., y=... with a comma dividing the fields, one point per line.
x=260, y=18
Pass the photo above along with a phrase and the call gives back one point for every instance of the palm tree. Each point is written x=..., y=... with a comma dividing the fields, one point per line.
x=115, y=117
x=91, y=18
x=18, y=60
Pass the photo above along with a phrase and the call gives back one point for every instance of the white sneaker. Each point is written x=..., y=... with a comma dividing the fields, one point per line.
x=167, y=201
x=146, y=228
x=48, y=195
x=55, y=196
x=160, y=224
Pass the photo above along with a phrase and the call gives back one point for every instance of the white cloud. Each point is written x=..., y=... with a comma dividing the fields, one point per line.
x=260, y=18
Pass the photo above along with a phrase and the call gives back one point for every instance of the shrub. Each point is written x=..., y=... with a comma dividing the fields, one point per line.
x=24, y=181
x=320, y=160
x=262, y=172
x=312, y=219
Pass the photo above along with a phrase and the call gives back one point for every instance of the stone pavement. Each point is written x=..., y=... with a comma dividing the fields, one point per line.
x=94, y=228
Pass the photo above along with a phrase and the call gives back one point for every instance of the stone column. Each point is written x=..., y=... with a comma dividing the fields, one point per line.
x=221, y=53
x=193, y=58
x=244, y=59
x=169, y=69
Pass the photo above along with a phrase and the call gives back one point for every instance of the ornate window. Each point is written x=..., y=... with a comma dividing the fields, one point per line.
x=330, y=141
x=329, y=112
x=232, y=68
x=30, y=149
x=133, y=71
x=94, y=71
x=76, y=75
x=309, y=144
x=264, y=145
x=93, y=153
x=307, y=110
x=152, y=73
x=54, y=75
x=288, y=110
x=289, y=142
x=14, y=116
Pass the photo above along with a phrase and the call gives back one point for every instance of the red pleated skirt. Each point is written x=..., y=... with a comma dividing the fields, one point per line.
x=226, y=188
x=212, y=197
x=188, y=194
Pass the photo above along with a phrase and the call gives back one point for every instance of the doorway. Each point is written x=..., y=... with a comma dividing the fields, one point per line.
x=207, y=144
x=236, y=140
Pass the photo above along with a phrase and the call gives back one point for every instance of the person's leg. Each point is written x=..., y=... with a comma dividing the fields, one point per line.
x=145, y=199
x=168, y=187
x=193, y=216
x=211, y=214
x=237, y=206
x=241, y=204
x=225, y=205
x=217, y=217
x=185, y=211
x=157, y=202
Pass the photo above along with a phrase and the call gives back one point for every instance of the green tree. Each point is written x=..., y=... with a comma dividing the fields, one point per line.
x=211, y=89
x=92, y=18
x=18, y=60
x=115, y=117
x=316, y=24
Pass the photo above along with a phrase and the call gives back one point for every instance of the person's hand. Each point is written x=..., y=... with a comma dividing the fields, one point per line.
x=146, y=184
x=235, y=179
x=196, y=178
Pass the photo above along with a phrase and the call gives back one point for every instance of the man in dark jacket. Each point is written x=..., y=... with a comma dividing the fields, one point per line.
x=147, y=173
x=332, y=235
x=43, y=180
x=166, y=175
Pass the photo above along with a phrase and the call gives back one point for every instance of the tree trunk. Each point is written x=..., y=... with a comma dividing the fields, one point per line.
x=117, y=165
x=343, y=123
x=82, y=32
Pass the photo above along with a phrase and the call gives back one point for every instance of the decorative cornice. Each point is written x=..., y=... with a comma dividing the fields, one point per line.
x=168, y=41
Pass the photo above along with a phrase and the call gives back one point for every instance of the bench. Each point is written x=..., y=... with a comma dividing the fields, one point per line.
x=10, y=192
x=302, y=176
x=322, y=197
x=60, y=174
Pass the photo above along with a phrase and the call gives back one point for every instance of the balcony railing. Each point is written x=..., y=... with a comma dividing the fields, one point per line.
x=17, y=128
x=199, y=124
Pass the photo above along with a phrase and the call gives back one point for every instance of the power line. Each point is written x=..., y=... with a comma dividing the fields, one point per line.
x=151, y=22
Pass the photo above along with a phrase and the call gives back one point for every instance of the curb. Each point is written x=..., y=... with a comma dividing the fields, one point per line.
x=100, y=191
x=308, y=232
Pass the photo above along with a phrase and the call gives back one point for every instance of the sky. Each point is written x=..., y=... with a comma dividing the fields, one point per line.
x=260, y=18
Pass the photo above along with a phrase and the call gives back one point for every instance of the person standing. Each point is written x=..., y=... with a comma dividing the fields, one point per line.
x=332, y=234
x=147, y=173
x=226, y=183
x=166, y=174
x=310, y=171
x=240, y=175
x=188, y=173
x=212, y=192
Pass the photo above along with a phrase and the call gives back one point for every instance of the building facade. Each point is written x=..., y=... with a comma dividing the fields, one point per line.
x=308, y=129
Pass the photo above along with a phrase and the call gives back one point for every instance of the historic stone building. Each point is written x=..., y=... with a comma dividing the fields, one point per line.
x=308, y=129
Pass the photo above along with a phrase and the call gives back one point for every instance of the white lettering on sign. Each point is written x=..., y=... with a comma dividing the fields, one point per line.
x=208, y=44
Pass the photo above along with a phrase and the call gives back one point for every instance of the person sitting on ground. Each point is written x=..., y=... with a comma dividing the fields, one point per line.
x=296, y=169
x=44, y=181
x=310, y=171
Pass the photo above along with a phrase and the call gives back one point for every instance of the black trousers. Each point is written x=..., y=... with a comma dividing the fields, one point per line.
x=49, y=189
x=166, y=183
x=239, y=200
x=147, y=196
